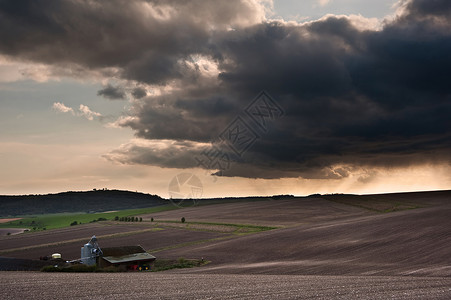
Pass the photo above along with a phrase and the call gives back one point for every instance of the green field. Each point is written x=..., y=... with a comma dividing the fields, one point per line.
x=51, y=221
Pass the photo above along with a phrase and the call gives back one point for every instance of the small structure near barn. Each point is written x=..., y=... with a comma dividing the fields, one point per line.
x=126, y=258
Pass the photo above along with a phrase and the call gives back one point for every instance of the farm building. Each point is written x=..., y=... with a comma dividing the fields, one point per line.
x=126, y=257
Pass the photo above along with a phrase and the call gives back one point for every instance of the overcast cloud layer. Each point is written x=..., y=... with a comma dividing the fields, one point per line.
x=353, y=97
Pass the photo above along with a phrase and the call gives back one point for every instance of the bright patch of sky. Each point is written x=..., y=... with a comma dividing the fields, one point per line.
x=294, y=10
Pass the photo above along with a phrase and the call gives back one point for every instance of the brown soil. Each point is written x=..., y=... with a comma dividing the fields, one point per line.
x=284, y=212
x=11, y=231
x=36, y=245
x=8, y=220
x=410, y=242
x=317, y=236
x=85, y=231
x=169, y=285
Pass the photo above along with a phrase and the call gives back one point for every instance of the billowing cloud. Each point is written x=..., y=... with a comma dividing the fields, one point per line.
x=162, y=153
x=147, y=40
x=88, y=113
x=60, y=107
x=83, y=111
x=357, y=94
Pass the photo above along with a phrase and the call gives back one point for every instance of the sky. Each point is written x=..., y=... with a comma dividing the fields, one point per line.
x=226, y=98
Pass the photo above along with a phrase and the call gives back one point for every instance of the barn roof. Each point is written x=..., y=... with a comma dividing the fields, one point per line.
x=123, y=250
x=123, y=254
x=129, y=258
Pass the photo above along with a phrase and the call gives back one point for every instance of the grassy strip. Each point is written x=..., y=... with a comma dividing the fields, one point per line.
x=257, y=227
x=380, y=206
x=78, y=240
x=53, y=221
x=239, y=228
x=181, y=263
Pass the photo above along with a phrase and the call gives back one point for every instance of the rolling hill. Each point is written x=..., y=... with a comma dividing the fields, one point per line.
x=85, y=201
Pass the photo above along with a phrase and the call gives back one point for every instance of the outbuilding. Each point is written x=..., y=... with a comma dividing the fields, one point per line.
x=126, y=258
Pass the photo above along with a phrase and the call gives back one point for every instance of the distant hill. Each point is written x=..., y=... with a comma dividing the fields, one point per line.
x=106, y=200
x=87, y=201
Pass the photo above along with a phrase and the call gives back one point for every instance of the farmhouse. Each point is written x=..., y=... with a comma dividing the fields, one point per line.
x=126, y=257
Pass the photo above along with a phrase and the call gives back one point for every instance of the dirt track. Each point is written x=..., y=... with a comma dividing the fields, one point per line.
x=21, y=285
x=5, y=220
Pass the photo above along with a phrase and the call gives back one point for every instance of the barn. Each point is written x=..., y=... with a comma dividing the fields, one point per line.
x=126, y=258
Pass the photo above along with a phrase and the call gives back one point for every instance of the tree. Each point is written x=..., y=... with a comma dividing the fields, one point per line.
x=73, y=223
x=183, y=219
x=140, y=219
x=116, y=218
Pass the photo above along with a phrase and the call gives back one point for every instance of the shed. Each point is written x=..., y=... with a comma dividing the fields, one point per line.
x=127, y=257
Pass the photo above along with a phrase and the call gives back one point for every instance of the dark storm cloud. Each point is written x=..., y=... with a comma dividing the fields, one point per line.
x=112, y=92
x=182, y=116
x=169, y=155
x=353, y=98
x=139, y=93
x=429, y=8
x=144, y=39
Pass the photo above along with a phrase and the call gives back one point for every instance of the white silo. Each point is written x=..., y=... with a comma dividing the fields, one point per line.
x=90, y=251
